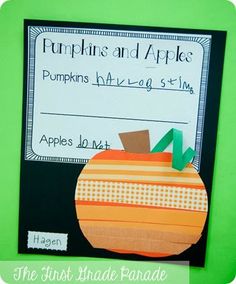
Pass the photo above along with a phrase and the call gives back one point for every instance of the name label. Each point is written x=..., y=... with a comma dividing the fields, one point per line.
x=49, y=241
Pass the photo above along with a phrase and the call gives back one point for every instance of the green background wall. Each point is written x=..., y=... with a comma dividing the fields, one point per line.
x=220, y=266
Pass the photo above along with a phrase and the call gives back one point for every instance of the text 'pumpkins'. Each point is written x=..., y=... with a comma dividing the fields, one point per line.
x=137, y=203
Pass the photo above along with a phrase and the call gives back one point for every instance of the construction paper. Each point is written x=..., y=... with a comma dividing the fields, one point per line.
x=154, y=231
x=137, y=141
x=134, y=244
x=180, y=159
x=130, y=188
x=84, y=84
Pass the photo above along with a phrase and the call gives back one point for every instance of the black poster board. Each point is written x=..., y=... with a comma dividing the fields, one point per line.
x=81, y=83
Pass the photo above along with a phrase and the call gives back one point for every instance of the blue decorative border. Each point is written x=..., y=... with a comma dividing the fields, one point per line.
x=34, y=31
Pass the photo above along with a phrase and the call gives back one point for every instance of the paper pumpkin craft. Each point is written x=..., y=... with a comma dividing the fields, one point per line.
x=138, y=203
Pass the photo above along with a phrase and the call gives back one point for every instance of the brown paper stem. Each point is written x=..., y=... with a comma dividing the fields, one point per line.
x=136, y=141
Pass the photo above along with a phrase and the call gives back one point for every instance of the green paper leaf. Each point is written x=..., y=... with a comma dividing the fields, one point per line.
x=179, y=159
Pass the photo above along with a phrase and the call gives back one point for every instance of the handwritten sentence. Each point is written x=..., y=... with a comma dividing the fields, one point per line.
x=82, y=142
x=175, y=83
